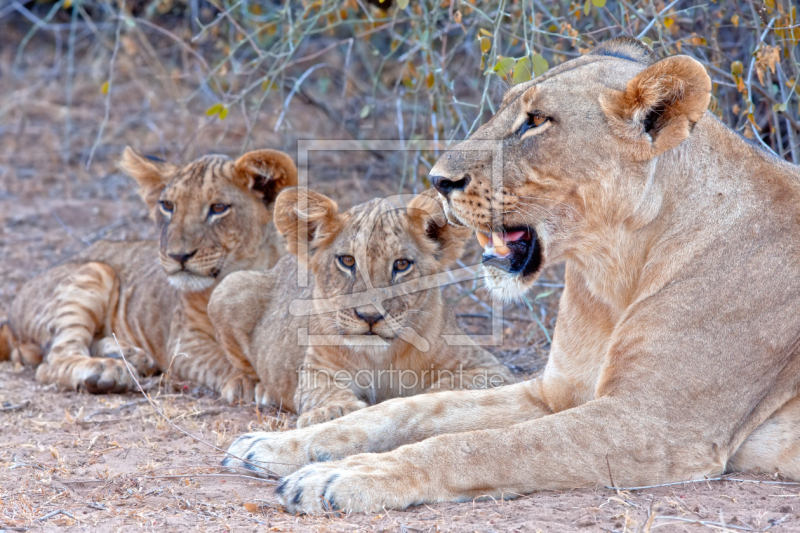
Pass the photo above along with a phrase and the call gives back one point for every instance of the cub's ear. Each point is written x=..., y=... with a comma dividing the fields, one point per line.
x=150, y=173
x=306, y=217
x=429, y=224
x=266, y=173
x=660, y=106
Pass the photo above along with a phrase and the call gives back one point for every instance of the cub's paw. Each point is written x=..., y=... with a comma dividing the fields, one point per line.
x=361, y=483
x=98, y=376
x=238, y=387
x=326, y=413
x=139, y=359
x=266, y=454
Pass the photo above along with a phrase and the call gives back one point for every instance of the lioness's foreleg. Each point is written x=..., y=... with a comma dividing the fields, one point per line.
x=80, y=307
x=580, y=447
x=390, y=424
x=774, y=446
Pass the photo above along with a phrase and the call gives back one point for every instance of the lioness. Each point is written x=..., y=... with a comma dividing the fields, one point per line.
x=214, y=217
x=675, y=354
x=361, y=354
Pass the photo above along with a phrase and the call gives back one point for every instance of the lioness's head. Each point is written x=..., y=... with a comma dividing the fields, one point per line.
x=577, y=148
x=214, y=215
x=367, y=252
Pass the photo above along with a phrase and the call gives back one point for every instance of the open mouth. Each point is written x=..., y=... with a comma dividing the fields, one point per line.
x=515, y=250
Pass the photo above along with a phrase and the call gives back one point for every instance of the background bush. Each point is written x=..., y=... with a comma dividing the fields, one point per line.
x=416, y=68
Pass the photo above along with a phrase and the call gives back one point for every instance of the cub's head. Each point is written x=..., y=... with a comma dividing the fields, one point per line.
x=374, y=252
x=568, y=156
x=214, y=215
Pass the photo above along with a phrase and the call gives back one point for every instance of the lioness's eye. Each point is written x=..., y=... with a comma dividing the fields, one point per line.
x=218, y=209
x=347, y=261
x=535, y=119
x=401, y=265
x=167, y=206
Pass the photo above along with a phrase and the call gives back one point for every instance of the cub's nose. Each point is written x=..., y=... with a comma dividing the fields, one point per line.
x=182, y=258
x=447, y=185
x=370, y=319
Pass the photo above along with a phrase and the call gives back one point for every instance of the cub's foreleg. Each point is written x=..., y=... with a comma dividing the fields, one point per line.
x=67, y=320
x=320, y=397
x=201, y=360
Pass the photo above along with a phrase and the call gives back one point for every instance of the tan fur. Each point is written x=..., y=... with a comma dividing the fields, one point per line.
x=153, y=299
x=346, y=369
x=676, y=354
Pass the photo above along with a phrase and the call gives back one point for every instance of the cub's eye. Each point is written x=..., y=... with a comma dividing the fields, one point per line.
x=535, y=119
x=347, y=261
x=166, y=206
x=401, y=265
x=218, y=209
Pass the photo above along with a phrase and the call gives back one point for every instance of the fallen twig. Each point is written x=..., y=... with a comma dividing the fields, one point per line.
x=15, y=407
x=55, y=513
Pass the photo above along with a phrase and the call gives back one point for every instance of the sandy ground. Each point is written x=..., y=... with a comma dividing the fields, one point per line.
x=112, y=463
x=74, y=461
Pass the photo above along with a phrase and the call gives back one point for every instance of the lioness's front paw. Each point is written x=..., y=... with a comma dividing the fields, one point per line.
x=267, y=454
x=326, y=413
x=238, y=387
x=361, y=483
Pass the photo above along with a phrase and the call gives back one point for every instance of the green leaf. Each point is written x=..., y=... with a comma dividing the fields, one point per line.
x=737, y=68
x=587, y=7
x=402, y=4
x=522, y=71
x=504, y=65
x=214, y=110
x=544, y=294
x=104, y=88
x=223, y=113
x=648, y=41
x=364, y=111
x=599, y=3
x=779, y=107
x=540, y=64
x=486, y=44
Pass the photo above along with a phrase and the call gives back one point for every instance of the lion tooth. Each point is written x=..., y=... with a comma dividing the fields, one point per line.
x=499, y=245
x=482, y=238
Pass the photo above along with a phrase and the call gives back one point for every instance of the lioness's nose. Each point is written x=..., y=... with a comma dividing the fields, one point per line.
x=182, y=258
x=446, y=185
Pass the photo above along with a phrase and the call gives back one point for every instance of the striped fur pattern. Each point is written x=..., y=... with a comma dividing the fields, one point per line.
x=214, y=217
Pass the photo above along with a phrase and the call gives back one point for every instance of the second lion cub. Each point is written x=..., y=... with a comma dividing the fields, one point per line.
x=369, y=326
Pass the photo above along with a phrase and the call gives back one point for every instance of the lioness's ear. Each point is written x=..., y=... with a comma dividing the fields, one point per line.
x=266, y=173
x=304, y=216
x=152, y=174
x=660, y=106
x=445, y=241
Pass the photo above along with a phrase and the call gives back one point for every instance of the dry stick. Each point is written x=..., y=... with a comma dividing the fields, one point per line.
x=749, y=85
x=55, y=513
x=722, y=478
x=712, y=524
x=182, y=476
x=198, y=439
x=15, y=407
x=108, y=93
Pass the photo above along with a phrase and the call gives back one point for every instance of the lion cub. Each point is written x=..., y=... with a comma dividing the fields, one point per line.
x=214, y=216
x=370, y=323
